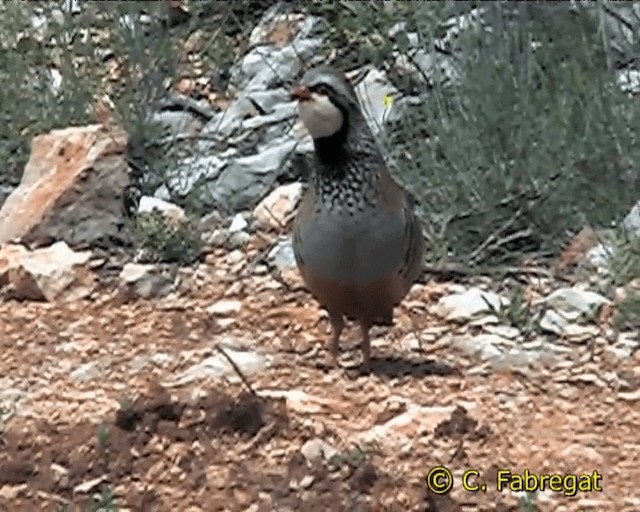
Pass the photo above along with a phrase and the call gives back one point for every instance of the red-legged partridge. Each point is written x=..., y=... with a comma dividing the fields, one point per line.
x=357, y=241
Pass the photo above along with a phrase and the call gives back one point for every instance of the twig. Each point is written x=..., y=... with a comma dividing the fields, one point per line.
x=493, y=237
x=620, y=19
x=282, y=224
x=469, y=270
x=527, y=194
x=236, y=369
x=501, y=242
x=262, y=255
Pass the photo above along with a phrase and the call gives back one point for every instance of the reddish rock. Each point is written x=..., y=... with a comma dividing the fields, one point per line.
x=10, y=256
x=276, y=209
x=72, y=189
x=51, y=273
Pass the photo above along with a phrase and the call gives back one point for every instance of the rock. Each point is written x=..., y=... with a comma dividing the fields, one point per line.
x=579, y=452
x=248, y=178
x=51, y=273
x=239, y=223
x=281, y=258
x=400, y=28
x=243, y=151
x=72, y=189
x=192, y=171
x=372, y=92
x=160, y=359
x=170, y=211
x=629, y=80
x=411, y=343
x=281, y=255
x=177, y=122
x=279, y=59
x=520, y=358
x=211, y=227
x=574, y=302
x=465, y=305
x=558, y=324
x=415, y=421
x=487, y=346
x=224, y=307
x=271, y=100
x=60, y=474
x=235, y=257
x=632, y=221
x=11, y=397
x=301, y=402
x=316, y=449
x=217, y=366
x=145, y=281
x=620, y=24
x=292, y=278
x=600, y=255
x=85, y=372
x=238, y=240
x=274, y=210
x=10, y=493
x=282, y=112
x=505, y=331
x=276, y=27
x=224, y=124
x=89, y=485
x=455, y=25
x=553, y=322
x=629, y=396
x=10, y=256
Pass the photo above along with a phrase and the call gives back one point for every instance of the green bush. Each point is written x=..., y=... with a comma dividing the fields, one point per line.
x=534, y=140
x=82, y=48
x=159, y=239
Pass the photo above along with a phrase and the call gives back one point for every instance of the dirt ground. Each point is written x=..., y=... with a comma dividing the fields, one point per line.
x=125, y=437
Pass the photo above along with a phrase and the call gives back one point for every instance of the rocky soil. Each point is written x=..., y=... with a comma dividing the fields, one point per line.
x=101, y=404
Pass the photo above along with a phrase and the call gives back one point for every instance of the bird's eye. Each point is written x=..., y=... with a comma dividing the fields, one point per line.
x=322, y=89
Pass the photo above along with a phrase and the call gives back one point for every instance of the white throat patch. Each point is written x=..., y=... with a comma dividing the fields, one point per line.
x=320, y=117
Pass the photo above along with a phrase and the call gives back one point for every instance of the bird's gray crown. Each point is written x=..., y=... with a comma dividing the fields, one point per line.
x=336, y=80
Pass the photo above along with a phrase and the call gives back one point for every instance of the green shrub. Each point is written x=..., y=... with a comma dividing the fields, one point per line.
x=534, y=140
x=161, y=240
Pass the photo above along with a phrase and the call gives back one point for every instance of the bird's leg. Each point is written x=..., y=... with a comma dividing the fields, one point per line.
x=365, y=345
x=337, y=324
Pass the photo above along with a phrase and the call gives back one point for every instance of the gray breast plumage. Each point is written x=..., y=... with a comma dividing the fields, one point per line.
x=357, y=248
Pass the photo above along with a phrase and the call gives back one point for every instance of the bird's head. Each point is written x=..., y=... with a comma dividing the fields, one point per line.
x=326, y=102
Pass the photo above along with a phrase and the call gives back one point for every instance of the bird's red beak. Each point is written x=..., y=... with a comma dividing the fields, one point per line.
x=301, y=93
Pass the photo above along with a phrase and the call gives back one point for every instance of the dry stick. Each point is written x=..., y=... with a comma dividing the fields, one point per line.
x=494, y=236
x=620, y=19
x=500, y=204
x=236, y=369
x=523, y=233
x=262, y=255
x=282, y=223
x=466, y=271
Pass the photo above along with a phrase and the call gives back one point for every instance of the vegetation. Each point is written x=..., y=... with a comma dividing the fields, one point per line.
x=524, y=135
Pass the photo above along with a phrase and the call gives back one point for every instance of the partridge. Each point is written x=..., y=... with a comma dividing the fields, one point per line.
x=357, y=242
